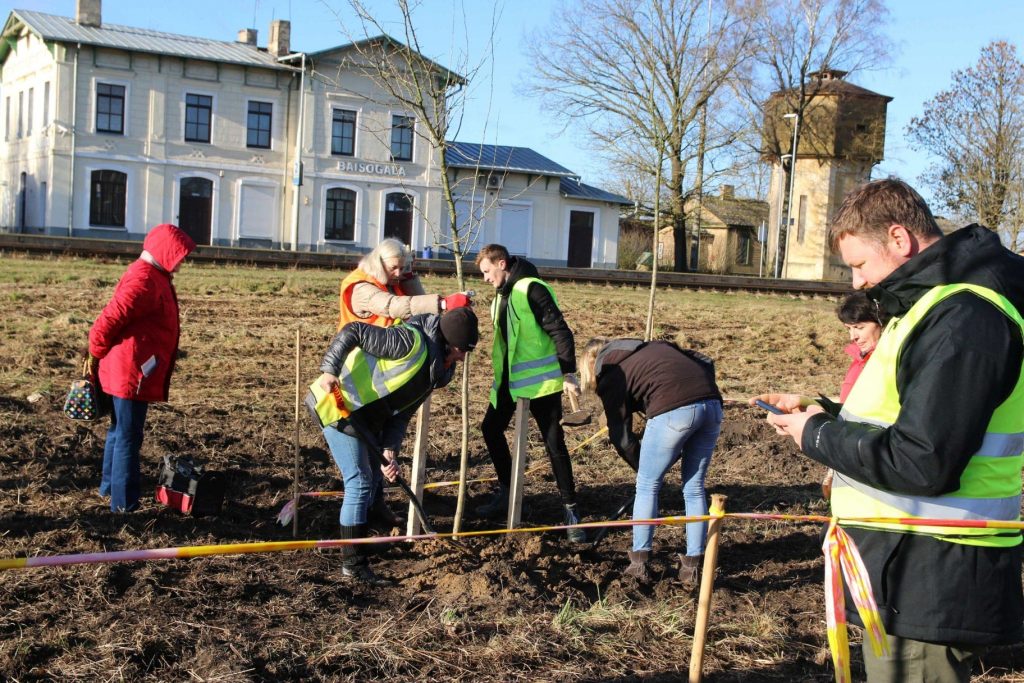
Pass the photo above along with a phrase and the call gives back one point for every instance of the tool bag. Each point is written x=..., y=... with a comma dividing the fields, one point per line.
x=188, y=488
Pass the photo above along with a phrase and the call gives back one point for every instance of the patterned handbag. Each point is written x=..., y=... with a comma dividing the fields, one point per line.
x=85, y=401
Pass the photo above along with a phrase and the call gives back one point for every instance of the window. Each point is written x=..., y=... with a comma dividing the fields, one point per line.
x=198, y=112
x=7, y=120
x=28, y=116
x=343, y=133
x=401, y=137
x=801, y=224
x=107, y=198
x=21, y=110
x=109, y=108
x=744, y=247
x=46, y=104
x=259, y=125
x=340, y=221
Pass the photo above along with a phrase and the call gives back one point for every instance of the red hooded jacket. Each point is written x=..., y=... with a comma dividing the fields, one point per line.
x=136, y=334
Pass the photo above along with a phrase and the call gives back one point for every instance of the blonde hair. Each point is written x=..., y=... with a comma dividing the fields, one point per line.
x=373, y=263
x=588, y=363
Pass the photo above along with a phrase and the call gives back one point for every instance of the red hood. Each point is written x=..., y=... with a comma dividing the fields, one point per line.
x=853, y=351
x=169, y=245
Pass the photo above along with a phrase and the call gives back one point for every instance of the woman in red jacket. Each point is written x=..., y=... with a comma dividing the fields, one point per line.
x=135, y=341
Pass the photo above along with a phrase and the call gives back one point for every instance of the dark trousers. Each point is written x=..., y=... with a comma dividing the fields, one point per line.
x=914, y=661
x=547, y=411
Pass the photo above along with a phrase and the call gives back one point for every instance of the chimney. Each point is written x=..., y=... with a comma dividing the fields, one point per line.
x=246, y=36
x=87, y=13
x=728, y=192
x=280, y=37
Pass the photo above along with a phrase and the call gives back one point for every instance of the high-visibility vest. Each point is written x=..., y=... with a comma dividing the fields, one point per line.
x=532, y=358
x=364, y=379
x=990, y=486
x=347, y=315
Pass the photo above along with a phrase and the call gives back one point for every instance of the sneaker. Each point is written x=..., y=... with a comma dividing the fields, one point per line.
x=572, y=516
x=497, y=506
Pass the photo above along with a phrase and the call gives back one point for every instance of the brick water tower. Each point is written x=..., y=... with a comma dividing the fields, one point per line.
x=840, y=137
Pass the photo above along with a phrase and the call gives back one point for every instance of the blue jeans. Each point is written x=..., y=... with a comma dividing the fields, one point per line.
x=121, y=470
x=688, y=433
x=361, y=477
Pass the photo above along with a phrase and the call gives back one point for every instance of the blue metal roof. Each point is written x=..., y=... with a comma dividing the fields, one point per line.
x=570, y=187
x=503, y=158
x=55, y=28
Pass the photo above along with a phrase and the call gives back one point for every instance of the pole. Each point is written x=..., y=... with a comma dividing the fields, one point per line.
x=297, y=174
x=707, y=585
x=298, y=407
x=792, y=182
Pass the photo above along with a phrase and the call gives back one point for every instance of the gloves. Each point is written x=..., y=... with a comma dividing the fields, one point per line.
x=456, y=300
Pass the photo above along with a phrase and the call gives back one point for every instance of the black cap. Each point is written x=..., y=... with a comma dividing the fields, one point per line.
x=459, y=327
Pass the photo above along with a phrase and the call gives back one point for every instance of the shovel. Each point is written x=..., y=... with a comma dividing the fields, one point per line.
x=577, y=418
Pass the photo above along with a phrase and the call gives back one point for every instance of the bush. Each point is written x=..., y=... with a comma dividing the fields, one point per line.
x=632, y=243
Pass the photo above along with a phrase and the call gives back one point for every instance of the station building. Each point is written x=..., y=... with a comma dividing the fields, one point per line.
x=109, y=130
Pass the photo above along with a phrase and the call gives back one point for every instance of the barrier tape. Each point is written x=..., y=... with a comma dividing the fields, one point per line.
x=842, y=559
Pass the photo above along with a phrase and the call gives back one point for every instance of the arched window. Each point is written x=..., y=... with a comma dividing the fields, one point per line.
x=107, y=196
x=340, y=219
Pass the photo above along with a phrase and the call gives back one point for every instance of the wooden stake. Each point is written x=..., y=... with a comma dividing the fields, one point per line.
x=515, y=497
x=707, y=585
x=298, y=406
x=460, y=502
x=419, y=466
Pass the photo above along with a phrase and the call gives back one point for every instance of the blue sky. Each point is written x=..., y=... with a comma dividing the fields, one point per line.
x=933, y=37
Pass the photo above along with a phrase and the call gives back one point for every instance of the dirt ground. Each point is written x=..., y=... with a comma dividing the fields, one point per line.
x=525, y=607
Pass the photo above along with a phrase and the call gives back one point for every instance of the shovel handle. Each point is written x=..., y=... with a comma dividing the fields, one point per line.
x=573, y=403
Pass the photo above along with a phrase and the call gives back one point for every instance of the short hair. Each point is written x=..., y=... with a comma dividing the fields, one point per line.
x=493, y=253
x=869, y=210
x=859, y=308
x=373, y=263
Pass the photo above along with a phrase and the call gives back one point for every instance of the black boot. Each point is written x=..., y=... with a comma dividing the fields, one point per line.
x=353, y=559
x=497, y=506
x=380, y=514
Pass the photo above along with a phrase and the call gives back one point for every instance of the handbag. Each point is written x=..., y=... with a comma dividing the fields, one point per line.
x=86, y=401
x=189, y=488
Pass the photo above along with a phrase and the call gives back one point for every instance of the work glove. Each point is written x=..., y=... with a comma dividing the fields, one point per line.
x=570, y=385
x=456, y=300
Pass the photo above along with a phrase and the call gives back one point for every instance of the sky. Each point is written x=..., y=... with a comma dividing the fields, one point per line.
x=933, y=39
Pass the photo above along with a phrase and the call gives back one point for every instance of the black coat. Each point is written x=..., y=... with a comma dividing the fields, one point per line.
x=961, y=362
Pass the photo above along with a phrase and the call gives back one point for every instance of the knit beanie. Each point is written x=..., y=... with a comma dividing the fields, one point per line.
x=459, y=328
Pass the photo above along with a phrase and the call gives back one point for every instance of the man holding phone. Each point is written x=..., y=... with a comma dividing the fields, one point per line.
x=933, y=429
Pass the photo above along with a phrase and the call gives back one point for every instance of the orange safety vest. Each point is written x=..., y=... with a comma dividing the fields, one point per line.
x=347, y=315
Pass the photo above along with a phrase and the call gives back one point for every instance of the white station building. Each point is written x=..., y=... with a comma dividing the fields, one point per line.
x=109, y=130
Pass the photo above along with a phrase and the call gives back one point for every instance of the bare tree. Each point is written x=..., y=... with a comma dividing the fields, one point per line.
x=404, y=77
x=796, y=39
x=975, y=129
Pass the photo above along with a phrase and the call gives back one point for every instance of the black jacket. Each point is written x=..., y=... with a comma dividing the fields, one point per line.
x=544, y=309
x=387, y=419
x=961, y=362
x=653, y=378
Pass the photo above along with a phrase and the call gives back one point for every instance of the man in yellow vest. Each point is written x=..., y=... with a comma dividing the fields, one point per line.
x=933, y=429
x=534, y=357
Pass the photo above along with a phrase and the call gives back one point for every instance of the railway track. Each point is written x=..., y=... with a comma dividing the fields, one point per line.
x=128, y=249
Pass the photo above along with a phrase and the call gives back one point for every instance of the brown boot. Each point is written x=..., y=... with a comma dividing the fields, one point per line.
x=690, y=569
x=638, y=565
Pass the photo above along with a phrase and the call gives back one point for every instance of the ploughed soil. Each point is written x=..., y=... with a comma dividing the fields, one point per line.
x=529, y=606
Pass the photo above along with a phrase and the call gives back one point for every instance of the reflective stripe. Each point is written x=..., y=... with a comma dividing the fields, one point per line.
x=531, y=364
x=1001, y=445
x=945, y=507
x=535, y=379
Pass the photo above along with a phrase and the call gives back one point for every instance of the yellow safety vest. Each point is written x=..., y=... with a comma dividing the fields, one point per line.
x=364, y=379
x=990, y=486
x=532, y=358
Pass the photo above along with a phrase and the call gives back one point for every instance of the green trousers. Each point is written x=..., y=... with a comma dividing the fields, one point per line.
x=914, y=661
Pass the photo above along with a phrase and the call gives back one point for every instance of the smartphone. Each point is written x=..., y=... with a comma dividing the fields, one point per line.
x=768, y=406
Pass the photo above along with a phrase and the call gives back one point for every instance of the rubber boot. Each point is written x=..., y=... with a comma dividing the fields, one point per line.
x=497, y=506
x=690, y=569
x=380, y=514
x=353, y=560
x=572, y=516
x=638, y=565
